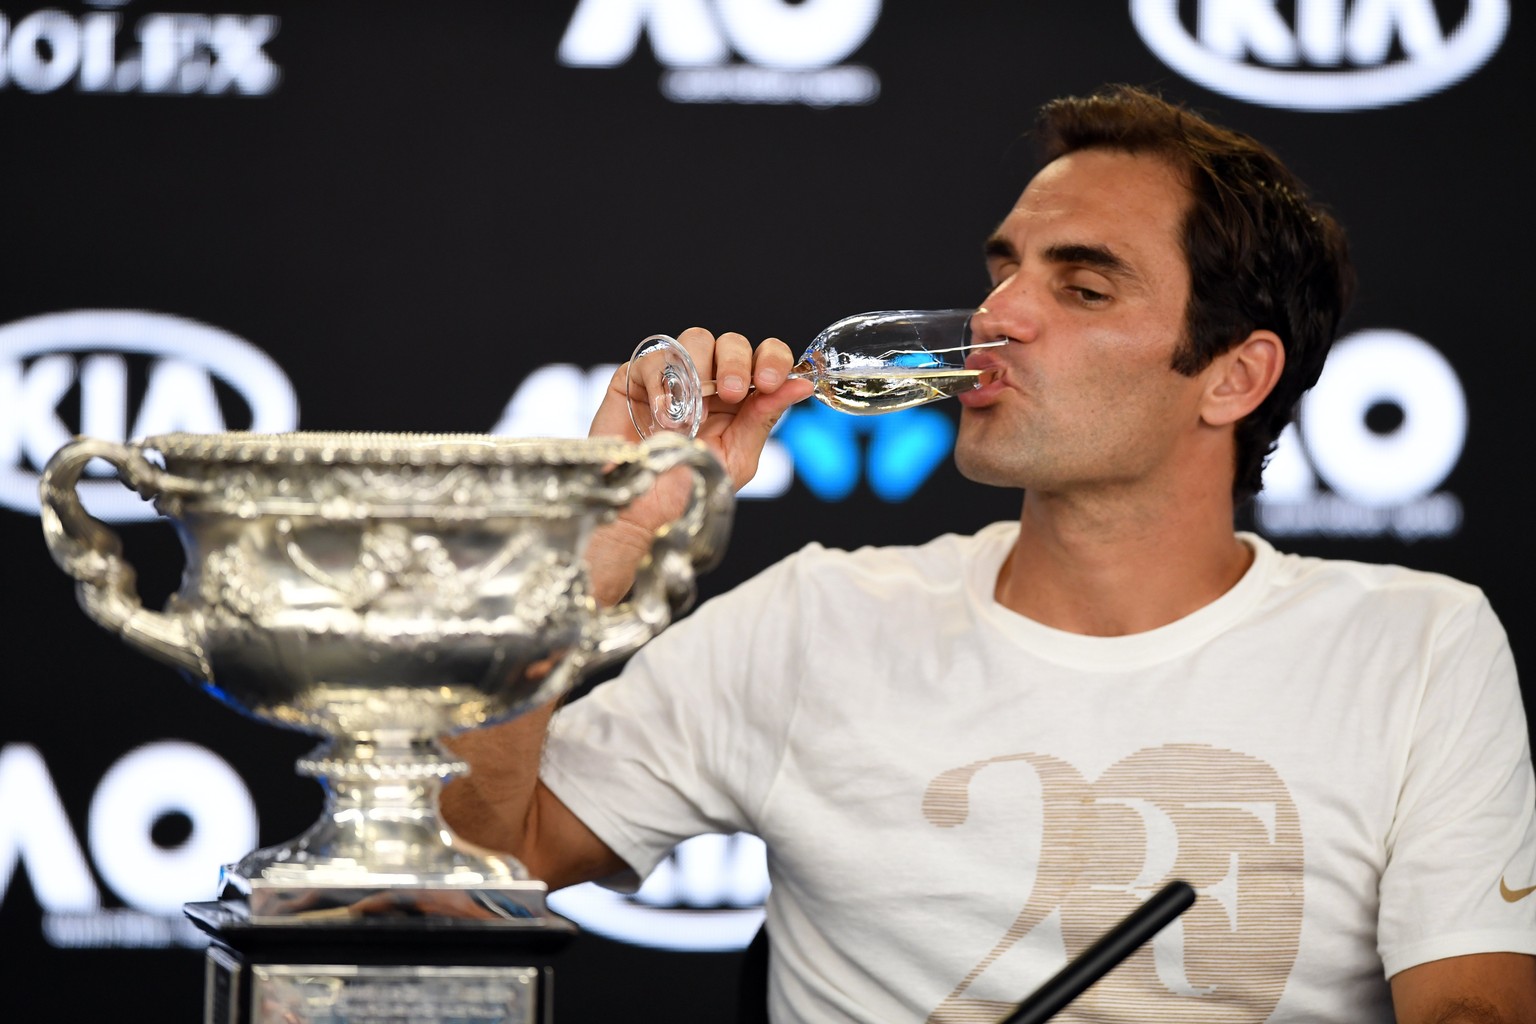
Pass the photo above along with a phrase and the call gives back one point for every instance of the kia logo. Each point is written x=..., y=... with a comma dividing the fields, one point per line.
x=44, y=359
x=1330, y=59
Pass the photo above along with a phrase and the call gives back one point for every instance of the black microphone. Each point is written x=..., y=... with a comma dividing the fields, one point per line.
x=1098, y=959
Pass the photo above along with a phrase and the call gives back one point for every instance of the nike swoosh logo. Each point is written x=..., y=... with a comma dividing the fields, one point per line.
x=1514, y=895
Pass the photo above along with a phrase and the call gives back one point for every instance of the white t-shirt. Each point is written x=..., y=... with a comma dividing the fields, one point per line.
x=956, y=799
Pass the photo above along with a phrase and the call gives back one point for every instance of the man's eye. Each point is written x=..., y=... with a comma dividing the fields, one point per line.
x=1087, y=296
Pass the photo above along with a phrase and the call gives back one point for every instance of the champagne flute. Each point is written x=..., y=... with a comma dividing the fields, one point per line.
x=864, y=364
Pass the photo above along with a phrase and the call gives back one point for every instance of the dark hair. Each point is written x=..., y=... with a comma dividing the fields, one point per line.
x=1261, y=255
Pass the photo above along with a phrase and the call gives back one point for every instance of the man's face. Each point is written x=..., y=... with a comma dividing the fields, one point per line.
x=1090, y=283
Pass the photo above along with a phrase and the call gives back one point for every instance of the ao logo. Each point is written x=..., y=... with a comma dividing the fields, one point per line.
x=46, y=358
x=694, y=33
x=1331, y=58
x=790, y=47
x=1383, y=427
x=143, y=787
x=707, y=896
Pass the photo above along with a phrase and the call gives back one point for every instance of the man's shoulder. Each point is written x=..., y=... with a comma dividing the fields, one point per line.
x=1365, y=584
x=947, y=554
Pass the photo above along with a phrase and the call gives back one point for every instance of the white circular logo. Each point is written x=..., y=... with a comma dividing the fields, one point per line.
x=1383, y=428
x=1330, y=59
x=706, y=897
x=156, y=780
x=805, y=35
x=1392, y=369
x=44, y=358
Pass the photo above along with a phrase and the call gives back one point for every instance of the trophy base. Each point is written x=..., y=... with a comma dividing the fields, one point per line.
x=490, y=905
x=381, y=848
x=378, y=971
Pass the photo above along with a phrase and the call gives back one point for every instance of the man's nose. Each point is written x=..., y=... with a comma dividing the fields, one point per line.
x=1008, y=312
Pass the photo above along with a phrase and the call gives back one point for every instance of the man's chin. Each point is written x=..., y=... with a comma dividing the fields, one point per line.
x=977, y=468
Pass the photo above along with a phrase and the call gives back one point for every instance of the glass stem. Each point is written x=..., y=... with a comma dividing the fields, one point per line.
x=803, y=370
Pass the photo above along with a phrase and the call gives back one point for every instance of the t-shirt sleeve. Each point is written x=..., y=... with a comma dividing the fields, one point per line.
x=1460, y=876
x=688, y=738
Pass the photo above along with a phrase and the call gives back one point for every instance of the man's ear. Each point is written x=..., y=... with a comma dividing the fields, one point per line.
x=1241, y=378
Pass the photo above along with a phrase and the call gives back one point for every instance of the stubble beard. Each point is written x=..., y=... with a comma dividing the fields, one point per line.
x=987, y=453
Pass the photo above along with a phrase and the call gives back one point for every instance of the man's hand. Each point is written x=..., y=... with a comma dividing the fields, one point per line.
x=753, y=392
x=754, y=389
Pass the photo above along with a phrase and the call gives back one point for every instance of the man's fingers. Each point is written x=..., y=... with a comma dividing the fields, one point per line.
x=755, y=419
x=771, y=365
x=752, y=388
x=733, y=366
x=613, y=417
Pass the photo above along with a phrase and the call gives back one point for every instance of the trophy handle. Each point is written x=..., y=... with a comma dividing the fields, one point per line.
x=92, y=553
x=665, y=584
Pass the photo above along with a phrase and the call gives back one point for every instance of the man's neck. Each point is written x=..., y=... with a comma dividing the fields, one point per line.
x=1104, y=567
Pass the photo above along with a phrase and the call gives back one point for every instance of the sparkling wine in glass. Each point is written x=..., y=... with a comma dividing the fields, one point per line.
x=864, y=364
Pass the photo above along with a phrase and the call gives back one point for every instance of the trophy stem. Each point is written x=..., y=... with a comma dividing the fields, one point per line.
x=382, y=803
x=383, y=758
x=381, y=847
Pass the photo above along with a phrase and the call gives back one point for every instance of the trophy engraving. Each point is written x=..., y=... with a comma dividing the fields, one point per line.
x=381, y=590
x=343, y=994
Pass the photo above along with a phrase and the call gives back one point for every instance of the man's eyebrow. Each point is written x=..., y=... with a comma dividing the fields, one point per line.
x=1099, y=257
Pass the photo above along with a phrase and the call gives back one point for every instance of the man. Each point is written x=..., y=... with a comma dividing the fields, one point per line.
x=971, y=758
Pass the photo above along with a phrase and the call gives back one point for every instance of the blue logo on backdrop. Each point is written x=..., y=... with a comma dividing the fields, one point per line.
x=829, y=452
x=902, y=451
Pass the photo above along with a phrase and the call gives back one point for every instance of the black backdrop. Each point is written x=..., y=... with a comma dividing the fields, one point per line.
x=412, y=208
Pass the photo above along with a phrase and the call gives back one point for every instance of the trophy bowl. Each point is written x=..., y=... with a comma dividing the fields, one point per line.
x=380, y=591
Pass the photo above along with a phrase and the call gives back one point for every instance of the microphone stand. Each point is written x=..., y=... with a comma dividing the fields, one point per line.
x=1098, y=959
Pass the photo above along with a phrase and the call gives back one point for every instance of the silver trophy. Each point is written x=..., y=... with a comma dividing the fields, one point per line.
x=381, y=590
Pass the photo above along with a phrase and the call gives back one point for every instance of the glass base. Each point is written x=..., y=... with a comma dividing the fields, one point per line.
x=666, y=393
